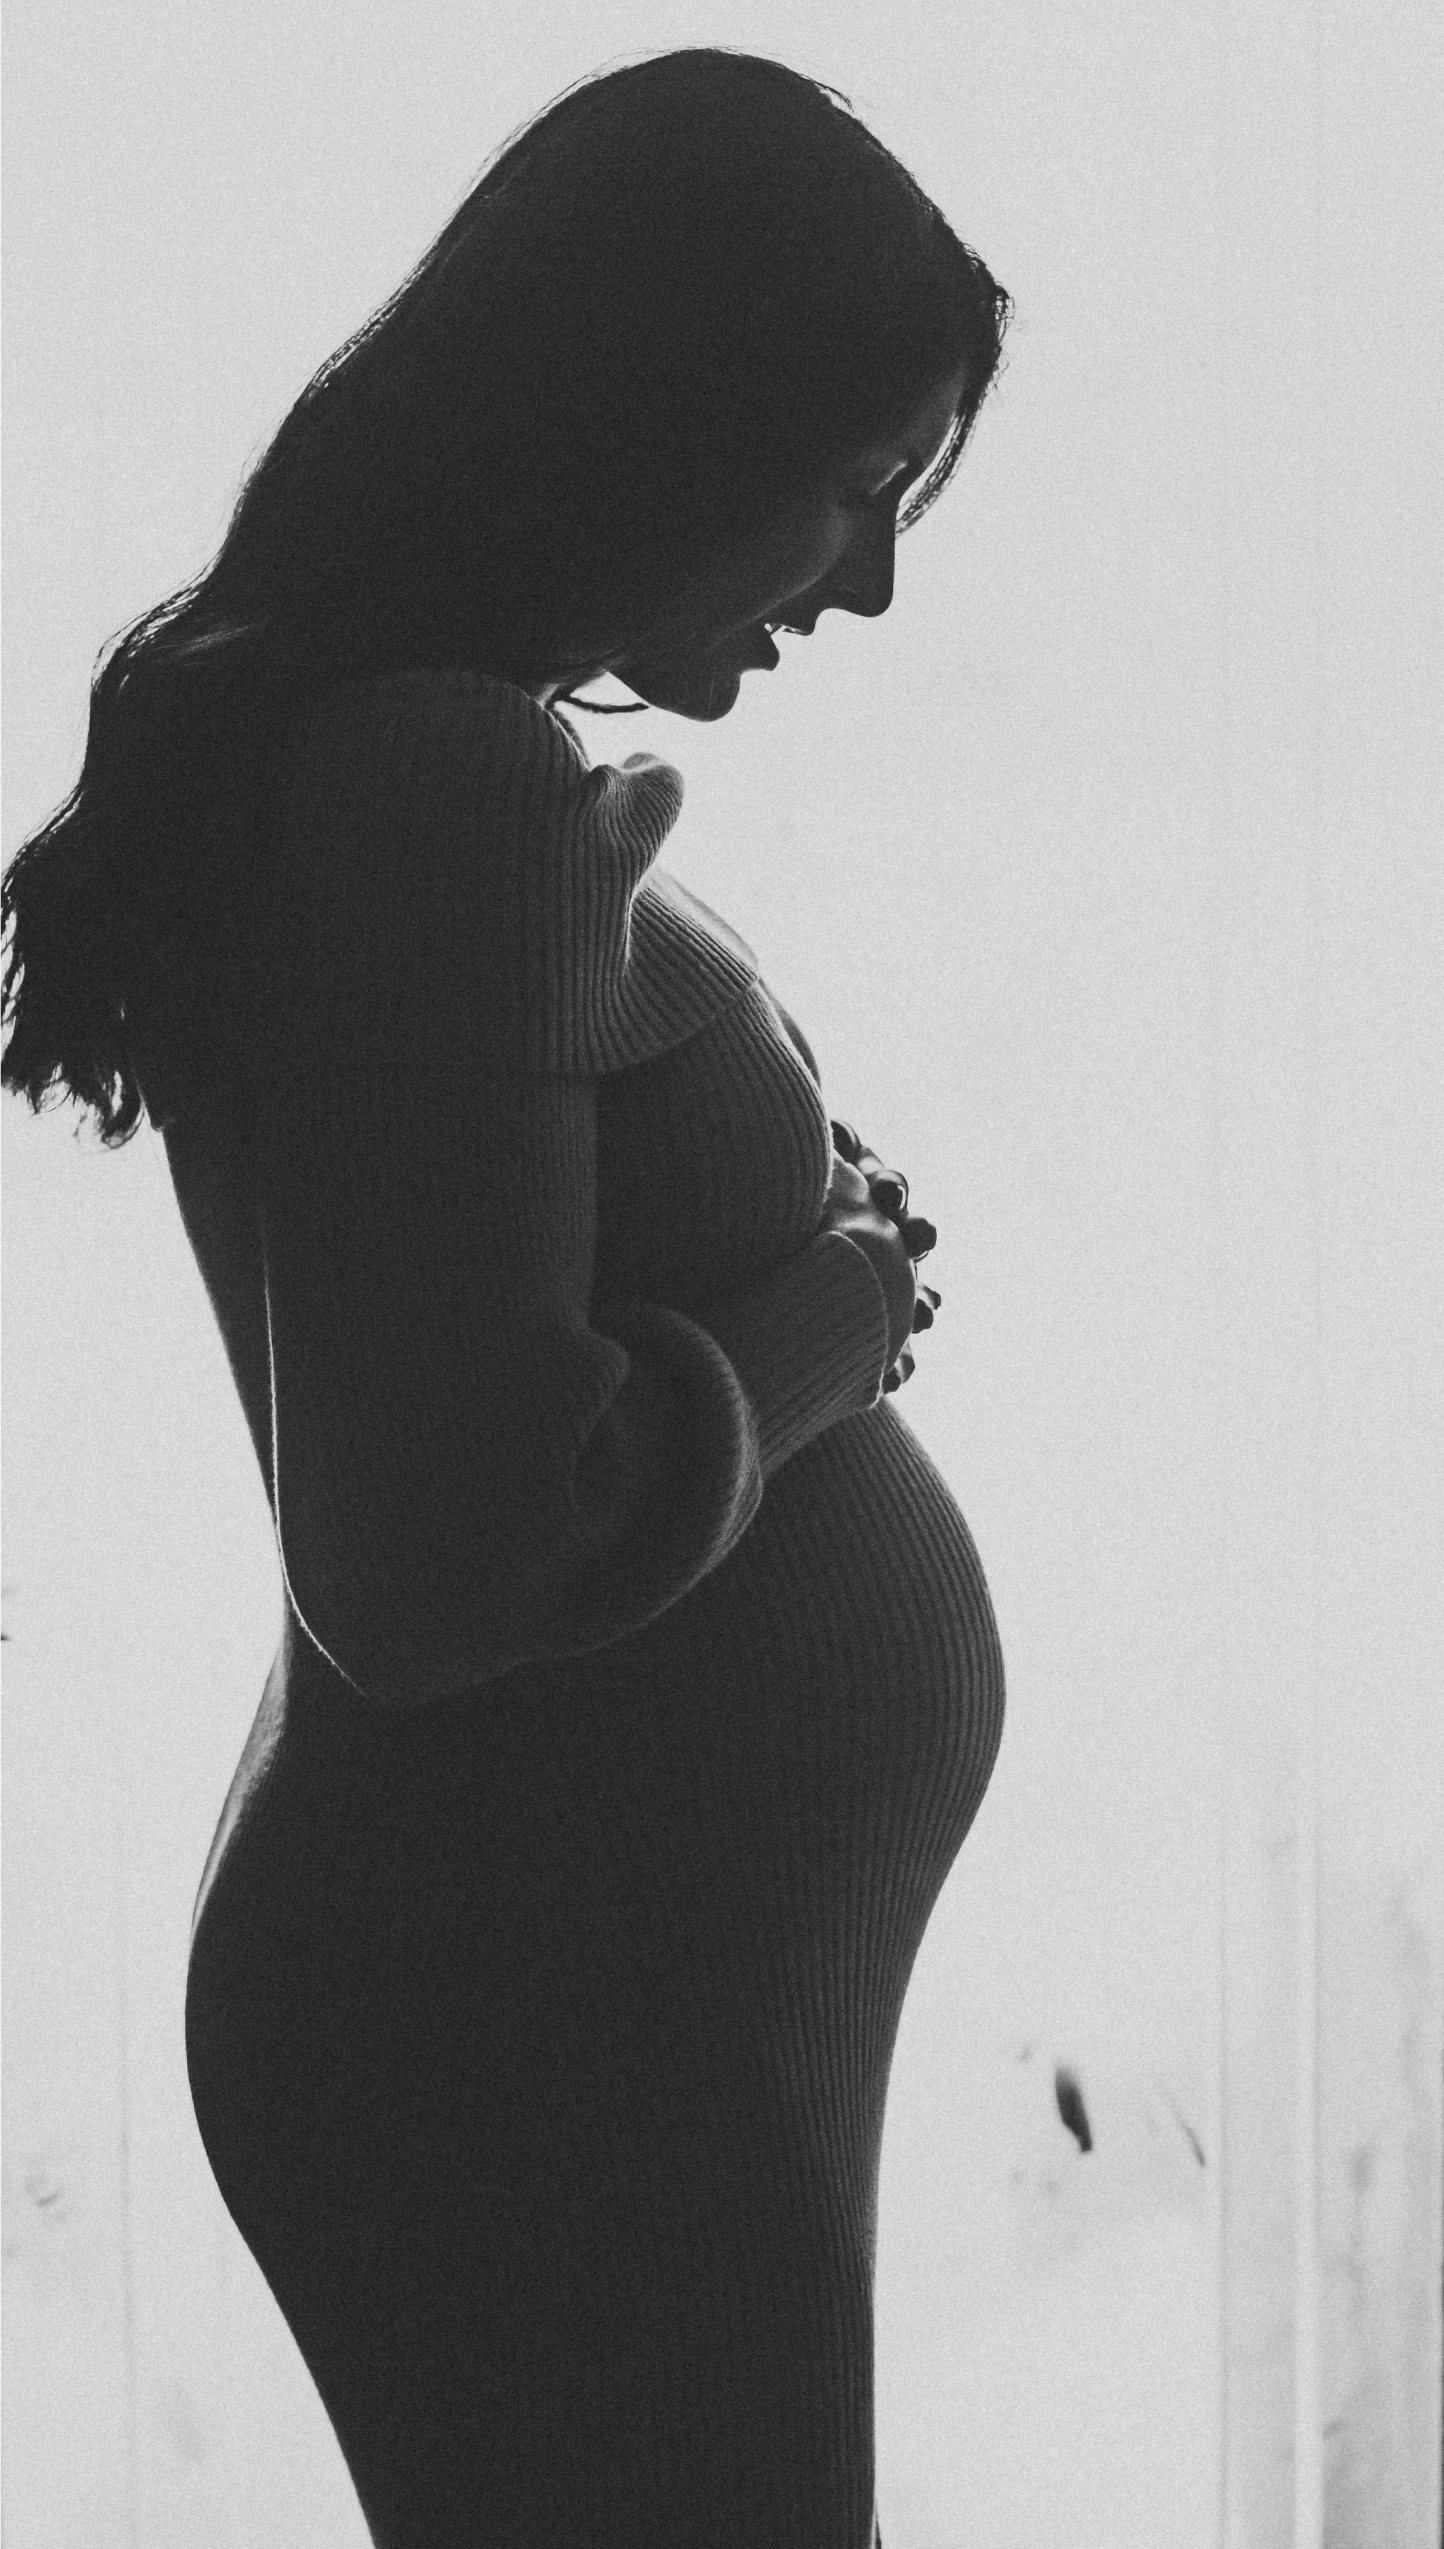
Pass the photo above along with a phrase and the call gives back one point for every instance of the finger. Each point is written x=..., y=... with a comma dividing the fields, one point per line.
x=890, y=1194
x=846, y=1139
x=922, y=1315
x=847, y=1183
x=920, y=1237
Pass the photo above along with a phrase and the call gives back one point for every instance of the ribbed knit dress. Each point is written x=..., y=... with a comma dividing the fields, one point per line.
x=638, y=1683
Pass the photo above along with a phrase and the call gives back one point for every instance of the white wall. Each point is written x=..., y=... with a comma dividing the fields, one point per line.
x=1103, y=876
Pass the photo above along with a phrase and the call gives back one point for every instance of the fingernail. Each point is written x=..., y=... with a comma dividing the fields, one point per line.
x=845, y=1139
x=890, y=1193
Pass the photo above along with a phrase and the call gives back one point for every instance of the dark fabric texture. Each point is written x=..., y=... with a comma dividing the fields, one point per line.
x=639, y=1681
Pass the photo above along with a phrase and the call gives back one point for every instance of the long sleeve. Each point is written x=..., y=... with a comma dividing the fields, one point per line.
x=469, y=1473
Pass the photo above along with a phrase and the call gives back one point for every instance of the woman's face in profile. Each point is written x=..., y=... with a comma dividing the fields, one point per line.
x=832, y=549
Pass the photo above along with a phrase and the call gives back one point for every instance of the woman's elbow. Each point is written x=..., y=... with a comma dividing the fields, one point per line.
x=398, y=1657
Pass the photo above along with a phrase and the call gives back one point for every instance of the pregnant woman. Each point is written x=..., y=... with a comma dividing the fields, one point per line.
x=638, y=1680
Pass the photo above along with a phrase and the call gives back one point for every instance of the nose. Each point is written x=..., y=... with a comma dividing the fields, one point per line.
x=862, y=581
x=869, y=605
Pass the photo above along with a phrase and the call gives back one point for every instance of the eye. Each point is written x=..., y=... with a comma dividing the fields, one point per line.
x=888, y=498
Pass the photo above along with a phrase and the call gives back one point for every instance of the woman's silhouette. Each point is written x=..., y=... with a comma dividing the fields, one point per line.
x=638, y=1681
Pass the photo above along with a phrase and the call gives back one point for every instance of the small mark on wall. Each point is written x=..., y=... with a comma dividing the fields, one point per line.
x=47, y=2191
x=1181, y=2120
x=1361, y=2167
x=1071, y=2107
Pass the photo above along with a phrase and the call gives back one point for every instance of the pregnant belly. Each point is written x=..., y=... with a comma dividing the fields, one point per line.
x=784, y=1765
x=883, y=1568
x=846, y=1649
x=702, y=1857
x=853, y=1621
x=602, y=1964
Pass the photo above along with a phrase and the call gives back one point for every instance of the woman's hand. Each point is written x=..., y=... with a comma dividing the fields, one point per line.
x=849, y=1208
x=862, y=1186
x=865, y=1207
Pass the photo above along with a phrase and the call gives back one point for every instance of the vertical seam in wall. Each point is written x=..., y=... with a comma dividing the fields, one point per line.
x=1308, y=2438
x=1218, y=825
x=1308, y=2413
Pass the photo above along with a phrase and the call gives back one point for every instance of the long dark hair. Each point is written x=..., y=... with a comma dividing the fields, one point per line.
x=680, y=291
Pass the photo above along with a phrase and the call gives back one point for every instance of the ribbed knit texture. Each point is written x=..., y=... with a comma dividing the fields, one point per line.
x=639, y=1682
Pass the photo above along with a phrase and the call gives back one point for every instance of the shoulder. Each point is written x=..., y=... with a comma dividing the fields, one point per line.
x=450, y=818
x=463, y=735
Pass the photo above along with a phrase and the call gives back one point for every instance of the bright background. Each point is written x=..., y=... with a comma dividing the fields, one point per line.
x=1103, y=876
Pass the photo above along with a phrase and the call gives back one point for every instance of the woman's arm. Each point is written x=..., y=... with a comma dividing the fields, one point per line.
x=469, y=1473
